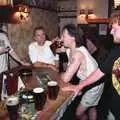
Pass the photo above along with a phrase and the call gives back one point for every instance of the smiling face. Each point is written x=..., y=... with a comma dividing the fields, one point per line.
x=115, y=31
x=39, y=36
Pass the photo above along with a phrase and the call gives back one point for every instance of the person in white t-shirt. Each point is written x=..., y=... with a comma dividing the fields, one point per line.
x=40, y=51
x=5, y=47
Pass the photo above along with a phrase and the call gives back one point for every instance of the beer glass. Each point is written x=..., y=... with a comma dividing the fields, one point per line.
x=11, y=83
x=55, y=45
x=40, y=98
x=53, y=90
x=12, y=104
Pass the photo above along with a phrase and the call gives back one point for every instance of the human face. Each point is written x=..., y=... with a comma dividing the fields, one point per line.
x=67, y=39
x=115, y=31
x=40, y=37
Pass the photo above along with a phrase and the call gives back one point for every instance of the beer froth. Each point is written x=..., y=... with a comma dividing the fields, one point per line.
x=11, y=101
x=52, y=83
x=38, y=90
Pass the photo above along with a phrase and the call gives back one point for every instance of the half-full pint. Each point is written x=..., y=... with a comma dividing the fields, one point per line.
x=12, y=104
x=40, y=98
x=53, y=90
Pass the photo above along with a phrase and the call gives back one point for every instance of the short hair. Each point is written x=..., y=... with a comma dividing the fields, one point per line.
x=38, y=28
x=74, y=32
x=115, y=17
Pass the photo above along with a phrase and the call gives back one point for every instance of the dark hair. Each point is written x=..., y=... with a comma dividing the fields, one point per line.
x=1, y=29
x=38, y=28
x=74, y=32
x=115, y=17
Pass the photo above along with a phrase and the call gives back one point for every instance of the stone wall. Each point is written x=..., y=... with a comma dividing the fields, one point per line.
x=20, y=35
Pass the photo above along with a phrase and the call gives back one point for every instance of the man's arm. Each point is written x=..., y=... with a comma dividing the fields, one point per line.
x=73, y=67
x=95, y=76
x=16, y=57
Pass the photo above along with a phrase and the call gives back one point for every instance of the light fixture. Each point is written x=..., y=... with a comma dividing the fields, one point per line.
x=84, y=15
x=22, y=12
x=81, y=18
x=6, y=2
x=90, y=14
x=116, y=4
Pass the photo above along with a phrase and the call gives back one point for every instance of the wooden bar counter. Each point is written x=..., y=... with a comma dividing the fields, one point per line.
x=53, y=109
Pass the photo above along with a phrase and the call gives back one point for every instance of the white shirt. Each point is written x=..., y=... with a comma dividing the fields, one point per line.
x=4, y=42
x=43, y=53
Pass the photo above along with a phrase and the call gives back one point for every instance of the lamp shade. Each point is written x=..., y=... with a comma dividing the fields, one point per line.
x=6, y=2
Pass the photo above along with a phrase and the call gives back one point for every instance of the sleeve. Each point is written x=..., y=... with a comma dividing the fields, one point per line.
x=106, y=67
x=7, y=44
x=6, y=41
x=57, y=57
x=32, y=54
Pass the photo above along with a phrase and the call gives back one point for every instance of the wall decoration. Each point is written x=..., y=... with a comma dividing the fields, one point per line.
x=103, y=29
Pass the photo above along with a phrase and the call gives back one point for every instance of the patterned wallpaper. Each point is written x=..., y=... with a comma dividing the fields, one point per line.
x=20, y=35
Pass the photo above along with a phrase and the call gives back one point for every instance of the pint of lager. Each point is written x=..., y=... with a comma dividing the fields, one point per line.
x=12, y=104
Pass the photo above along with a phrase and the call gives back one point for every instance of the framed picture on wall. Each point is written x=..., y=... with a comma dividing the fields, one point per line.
x=103, y=29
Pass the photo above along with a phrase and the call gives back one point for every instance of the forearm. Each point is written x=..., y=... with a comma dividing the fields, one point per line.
x=15, y=56
x=65, y=78
x=95, y=76
x=42, y=64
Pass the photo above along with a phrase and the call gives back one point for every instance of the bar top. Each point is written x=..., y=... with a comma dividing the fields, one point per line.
x=51, y=106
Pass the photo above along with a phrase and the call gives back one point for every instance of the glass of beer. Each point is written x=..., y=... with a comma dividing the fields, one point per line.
x=53, y=90
x=12, y=104
x=57, y=43
x=40, y=98
x=12, y=83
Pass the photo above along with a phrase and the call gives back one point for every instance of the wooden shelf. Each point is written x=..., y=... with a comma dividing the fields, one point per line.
x=98, y=20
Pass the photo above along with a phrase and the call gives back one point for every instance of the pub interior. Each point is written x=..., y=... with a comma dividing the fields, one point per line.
x=18, y=19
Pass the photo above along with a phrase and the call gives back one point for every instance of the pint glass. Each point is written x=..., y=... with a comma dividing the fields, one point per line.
x=12, y=104
x=53, y=90
x=40, y=98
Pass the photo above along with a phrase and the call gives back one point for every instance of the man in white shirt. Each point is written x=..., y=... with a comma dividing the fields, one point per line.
x=39, y=50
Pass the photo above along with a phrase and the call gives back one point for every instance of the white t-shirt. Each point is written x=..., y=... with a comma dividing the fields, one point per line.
x=43, y=53
x=4, y=42
x=88, y=67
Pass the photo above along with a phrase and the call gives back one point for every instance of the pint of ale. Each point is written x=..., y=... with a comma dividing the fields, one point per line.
x=56, y=44
x=12, y=104
x=53, y=90
x=11, y=83
x=40, y=98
